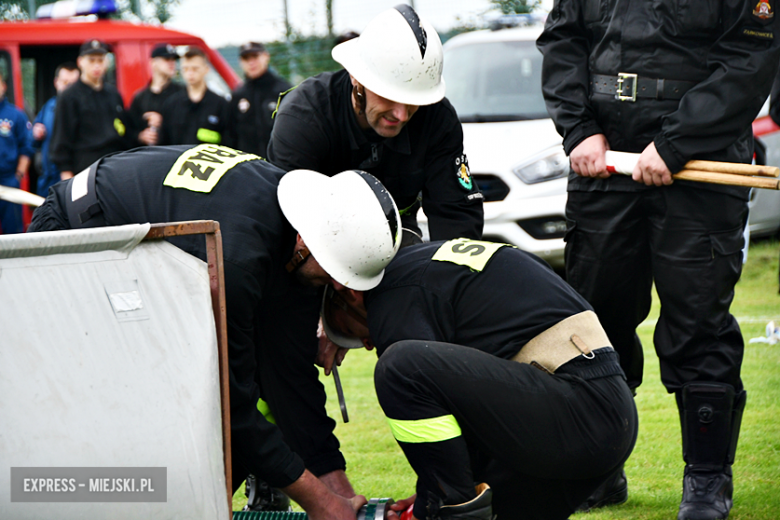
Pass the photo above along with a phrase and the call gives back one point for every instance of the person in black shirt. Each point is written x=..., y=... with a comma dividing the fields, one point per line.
x=254, y=102
x=265, y=216
x=195, y=115
x=145, y=110
x=386, y=114
x=90, y=120
x=491, y=369
x=672, y=81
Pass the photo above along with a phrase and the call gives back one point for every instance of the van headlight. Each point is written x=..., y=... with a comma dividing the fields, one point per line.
x=554, y=166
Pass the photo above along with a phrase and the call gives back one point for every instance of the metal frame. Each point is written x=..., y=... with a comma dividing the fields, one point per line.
x=210, y=228
x=622, y=77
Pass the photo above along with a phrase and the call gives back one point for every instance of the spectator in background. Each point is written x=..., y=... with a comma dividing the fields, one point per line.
x=90, y=119
x=15, y=153
x=254, y=102
x=145, y=110
x=196, y=115
x=43, y=129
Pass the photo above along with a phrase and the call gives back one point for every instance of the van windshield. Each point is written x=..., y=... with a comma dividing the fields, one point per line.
x=495, y=81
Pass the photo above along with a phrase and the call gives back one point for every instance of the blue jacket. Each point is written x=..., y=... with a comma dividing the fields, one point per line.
x=15, y=137
x=49, y=170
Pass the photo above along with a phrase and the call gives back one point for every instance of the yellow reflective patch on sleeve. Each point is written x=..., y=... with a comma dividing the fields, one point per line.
x=200, y=168
x=471, y=253
x=264, y=409
x=119, y=127
x=208, y=136
x=435, y=429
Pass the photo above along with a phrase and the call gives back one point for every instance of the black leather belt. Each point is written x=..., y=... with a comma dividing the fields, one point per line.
x=629, y=87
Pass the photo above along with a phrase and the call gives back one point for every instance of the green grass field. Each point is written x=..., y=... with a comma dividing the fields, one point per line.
x=377, y=467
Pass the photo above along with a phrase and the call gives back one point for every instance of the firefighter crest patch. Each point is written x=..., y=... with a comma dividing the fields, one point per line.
x=6, y=125
x=463, y=173
x=763, y=10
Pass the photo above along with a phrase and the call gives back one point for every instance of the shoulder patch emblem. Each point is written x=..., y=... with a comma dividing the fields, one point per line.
x=763, y=10
x=243, y=105
x=463, y=173
x=5, y=127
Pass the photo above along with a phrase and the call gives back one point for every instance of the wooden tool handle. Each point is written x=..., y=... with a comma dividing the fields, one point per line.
x=733, y=168
x=728, y=179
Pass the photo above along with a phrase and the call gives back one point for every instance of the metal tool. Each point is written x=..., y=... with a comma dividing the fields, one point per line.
x=340, y=392
x=376, y=509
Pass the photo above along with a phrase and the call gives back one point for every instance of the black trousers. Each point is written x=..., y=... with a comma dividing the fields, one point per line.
x=543, y=442
x=689, y=242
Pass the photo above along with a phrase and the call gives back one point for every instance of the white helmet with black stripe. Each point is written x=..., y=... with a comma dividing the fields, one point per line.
x=349, y=223
x=398, y=56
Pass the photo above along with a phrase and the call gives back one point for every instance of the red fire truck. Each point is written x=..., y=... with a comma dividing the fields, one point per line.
x=30, y=52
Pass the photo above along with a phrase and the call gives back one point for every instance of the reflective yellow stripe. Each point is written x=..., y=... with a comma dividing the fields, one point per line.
x=119, y=127
x=208, y=136
x=471, y=253
x=264, y=409
x=435, y=429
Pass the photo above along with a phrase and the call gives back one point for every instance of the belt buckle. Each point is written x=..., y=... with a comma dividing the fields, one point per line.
x=622, y=77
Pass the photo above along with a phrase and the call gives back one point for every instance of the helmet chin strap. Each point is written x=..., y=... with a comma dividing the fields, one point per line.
x=299, y=258
x=359, y=93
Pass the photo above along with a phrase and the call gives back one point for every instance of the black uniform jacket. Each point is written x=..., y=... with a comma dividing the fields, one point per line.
x=316, y=129
x=496, y=310
x=185, y=122
x=88, y=124
x=728, y=48
x=257, y=242
x=251, y=109
x=147, y=101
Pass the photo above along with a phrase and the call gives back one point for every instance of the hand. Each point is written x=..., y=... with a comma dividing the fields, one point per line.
x=148, y=137
x=153, y=119
x=319, y=502
x=328, y=352
x=338, y=508
x=587, y=158
x=397, y=509
x=66, y=175
x=651, y=168
x=39, y=131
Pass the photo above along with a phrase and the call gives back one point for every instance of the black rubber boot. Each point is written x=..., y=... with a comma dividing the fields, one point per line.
x=612, y=491
x=710, y=416
x=479, y=508
x=262, y=497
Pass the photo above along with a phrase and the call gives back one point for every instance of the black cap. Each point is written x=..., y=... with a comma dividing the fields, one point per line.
x=165, y=50
x=250, y=47
x=93, y=47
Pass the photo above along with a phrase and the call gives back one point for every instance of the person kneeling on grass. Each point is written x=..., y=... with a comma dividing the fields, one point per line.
x=491, y=370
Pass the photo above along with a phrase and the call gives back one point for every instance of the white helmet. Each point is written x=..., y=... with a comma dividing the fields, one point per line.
x=349, y=222
x=398, y=56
